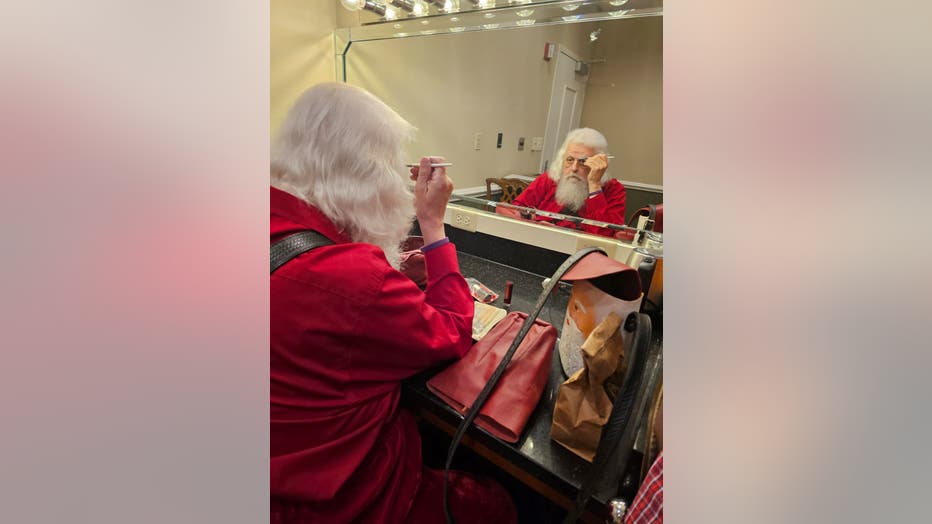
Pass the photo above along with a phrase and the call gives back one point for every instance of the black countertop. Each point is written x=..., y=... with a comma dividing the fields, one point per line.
x=526, y=291
x=535, y=453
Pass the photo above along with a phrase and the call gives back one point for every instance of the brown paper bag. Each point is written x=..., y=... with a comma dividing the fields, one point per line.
x=583, y=405
x=600, y=285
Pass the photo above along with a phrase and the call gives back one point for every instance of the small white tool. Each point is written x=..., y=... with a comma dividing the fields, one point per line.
x=444, y=164
x=582, y=160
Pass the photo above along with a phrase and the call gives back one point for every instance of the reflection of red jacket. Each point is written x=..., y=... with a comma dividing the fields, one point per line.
x=346, y=328
x=608, y=206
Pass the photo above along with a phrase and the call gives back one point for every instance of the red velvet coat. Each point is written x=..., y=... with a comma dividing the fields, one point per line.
x=346, y=328
x=608, y=206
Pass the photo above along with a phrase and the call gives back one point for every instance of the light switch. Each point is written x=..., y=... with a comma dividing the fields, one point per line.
x=537, y=143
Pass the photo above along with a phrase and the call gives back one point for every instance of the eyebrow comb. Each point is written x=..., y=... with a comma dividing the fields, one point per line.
x=582, y=160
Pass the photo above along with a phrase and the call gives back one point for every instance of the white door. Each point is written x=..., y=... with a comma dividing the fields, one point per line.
x=566, y=101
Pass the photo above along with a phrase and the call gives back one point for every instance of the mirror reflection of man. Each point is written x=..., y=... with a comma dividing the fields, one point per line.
x=576, y=185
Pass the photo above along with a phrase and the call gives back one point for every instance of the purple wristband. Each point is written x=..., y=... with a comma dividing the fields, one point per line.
x=434, y=245
x=594, y=193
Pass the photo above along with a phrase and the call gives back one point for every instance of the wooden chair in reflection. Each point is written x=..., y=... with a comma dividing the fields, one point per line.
x=511, y=188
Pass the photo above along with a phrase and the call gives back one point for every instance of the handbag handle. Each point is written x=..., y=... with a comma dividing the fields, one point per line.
x=500, y=370
x=620, y=431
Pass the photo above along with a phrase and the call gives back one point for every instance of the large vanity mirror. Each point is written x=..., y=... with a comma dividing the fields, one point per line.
x=495, y=91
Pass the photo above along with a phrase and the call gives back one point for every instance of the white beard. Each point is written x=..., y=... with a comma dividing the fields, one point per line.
x=571, y=192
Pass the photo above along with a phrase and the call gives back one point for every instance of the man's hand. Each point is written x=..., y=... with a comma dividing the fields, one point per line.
x=597, y=165
x=432, y=190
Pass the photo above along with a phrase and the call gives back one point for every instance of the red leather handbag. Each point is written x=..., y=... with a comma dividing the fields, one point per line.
x=511, y=403
x=471, y=384
x=653, y=212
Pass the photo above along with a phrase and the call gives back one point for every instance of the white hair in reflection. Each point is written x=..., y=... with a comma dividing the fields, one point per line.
x=340, y=150
x=572, y=193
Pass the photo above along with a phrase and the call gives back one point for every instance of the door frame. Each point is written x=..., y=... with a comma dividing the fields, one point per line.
x=553, y=136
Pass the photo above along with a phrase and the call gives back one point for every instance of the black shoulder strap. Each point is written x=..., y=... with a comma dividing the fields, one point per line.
x=293, y=245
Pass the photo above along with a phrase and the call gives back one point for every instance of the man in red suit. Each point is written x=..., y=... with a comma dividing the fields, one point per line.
x=347, y=326
x=576, y=185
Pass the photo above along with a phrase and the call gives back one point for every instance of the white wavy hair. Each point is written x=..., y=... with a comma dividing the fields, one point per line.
x=340, y=150
x=584, y=135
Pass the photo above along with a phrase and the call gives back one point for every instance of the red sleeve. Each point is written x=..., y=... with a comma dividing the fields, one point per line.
x=408, y=330
x=534, y=193
x=607, y=206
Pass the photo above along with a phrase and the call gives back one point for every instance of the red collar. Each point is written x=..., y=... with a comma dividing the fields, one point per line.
x=289, y=214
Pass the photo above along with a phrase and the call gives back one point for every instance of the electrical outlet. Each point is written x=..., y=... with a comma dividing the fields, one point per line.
x=476, y=140
x=537, y=143
x=463, y=220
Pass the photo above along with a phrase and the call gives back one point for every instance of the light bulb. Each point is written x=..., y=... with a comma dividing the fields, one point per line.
x=419, y=9
x=353, y=5
x=390, y=13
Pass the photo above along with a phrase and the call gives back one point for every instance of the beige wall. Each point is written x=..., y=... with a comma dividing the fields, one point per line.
x=631, y=83
x=301, y=50
x=455, y=85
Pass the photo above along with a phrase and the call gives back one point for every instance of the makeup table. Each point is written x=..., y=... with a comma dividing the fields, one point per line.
x=536, y=460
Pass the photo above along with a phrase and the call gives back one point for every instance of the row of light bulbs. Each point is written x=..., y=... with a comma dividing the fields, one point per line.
x=414, y=8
